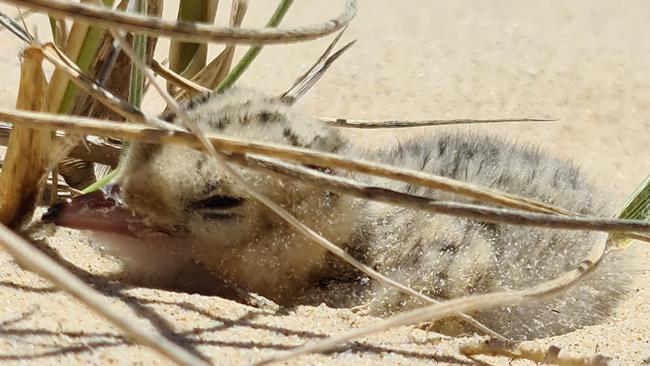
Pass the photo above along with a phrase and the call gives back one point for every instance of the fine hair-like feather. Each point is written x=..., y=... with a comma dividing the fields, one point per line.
x=442, y=256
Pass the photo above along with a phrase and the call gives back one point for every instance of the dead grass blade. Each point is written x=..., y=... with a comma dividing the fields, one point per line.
x=361, y=190
x=448, y=308
x=112, y=69
x=309, y=79
x=138, y=132
x=550, y=355
x=365, y=124
x=14, y=27
x=186, y=85
x=60, y=277
x=27, y=151
x=110, y=100
x=100, y=151
x=189, y=31
x=92, y=148
x=69, y=68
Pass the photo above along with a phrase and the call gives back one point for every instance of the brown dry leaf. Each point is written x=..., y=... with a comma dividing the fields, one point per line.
x=27, y=152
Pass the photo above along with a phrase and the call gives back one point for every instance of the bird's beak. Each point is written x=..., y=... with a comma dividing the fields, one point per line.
x=101, y=210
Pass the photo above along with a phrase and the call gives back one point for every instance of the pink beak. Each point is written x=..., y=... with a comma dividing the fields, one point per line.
x=100, y=210
x=103, y=210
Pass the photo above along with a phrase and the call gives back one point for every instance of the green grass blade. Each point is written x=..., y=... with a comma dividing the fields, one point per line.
x=252, y=52
x=136, y=90
x=58, y=28
x=87, y=53
x=136, y=81
x=637, y=207
x=101, y=183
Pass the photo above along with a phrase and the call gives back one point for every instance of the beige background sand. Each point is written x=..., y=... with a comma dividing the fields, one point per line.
x=584, y=62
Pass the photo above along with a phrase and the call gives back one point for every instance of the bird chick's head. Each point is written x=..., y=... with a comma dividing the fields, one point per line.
x=179, y=191
x=172, y=207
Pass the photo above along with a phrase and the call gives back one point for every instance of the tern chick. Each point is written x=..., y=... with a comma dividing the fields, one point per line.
x=176, y=219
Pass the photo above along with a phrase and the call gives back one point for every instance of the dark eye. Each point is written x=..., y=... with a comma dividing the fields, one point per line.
x=218, y=202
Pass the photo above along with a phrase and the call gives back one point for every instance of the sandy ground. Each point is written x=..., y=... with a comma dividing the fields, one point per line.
x=584, y=62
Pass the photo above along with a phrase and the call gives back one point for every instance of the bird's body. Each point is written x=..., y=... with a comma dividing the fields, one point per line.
x=196, y=229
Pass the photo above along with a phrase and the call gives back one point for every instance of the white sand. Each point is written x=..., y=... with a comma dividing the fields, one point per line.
x=584, y=62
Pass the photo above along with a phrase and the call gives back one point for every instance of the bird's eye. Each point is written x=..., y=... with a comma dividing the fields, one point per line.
x=218, y=202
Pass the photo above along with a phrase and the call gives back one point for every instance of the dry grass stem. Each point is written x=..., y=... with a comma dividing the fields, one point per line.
x=365, y=124
x=12, y=25
x=108, y=99
x=189, y=31
x=483, y=213
x=550, y=355
x=48, y=268
x=143, y=133
x=187, y=85
x=448, y=308
x=203, y=77
x=111, y=69
x=138, y=132
x=92, y=149
x=28, y=148
x=445, y=184
x=89, y=85
x=315, y=72
x=101, y=151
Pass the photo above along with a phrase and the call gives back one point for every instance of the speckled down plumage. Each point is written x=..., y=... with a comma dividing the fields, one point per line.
x=225, y=237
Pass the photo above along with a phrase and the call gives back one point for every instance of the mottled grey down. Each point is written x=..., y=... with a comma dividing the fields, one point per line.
x=244, y=245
